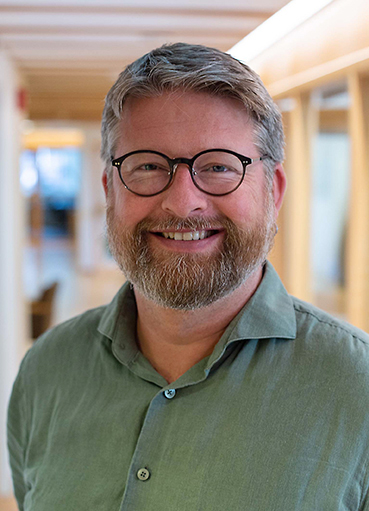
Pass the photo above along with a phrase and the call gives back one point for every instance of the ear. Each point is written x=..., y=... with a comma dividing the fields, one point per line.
x=279, y=186
x=104, y=180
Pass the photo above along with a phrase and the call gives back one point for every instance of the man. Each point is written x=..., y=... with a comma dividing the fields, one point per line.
x=203, y=385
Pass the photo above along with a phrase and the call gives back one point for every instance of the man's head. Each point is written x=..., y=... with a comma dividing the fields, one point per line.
x=180, y=101
x=195, y=68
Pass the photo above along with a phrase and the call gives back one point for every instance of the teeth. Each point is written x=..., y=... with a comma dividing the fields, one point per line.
x=187, y=236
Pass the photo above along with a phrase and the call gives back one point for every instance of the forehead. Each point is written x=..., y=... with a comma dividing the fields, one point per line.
x=184, y=123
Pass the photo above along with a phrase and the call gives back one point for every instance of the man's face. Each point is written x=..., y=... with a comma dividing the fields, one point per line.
x=234, y=232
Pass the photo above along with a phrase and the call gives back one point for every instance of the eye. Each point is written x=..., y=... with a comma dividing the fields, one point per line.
x=219, y=168
x=150, y=166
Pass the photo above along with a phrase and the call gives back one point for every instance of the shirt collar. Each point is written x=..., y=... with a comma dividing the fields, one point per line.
x=268, y=314
x=118, y=323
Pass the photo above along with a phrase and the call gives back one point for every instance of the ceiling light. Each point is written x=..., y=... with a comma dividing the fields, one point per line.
x=274, y=28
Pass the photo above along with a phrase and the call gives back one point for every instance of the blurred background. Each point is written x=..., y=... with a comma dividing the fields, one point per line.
x=57, y=62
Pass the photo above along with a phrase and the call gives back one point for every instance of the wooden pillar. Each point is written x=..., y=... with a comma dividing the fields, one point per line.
x=302, y=126
x=357, y=260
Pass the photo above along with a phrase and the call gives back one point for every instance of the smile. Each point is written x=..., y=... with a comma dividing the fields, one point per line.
x=187, y=236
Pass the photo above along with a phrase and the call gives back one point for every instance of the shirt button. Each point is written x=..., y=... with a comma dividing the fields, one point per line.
x=170, y=393
x=143, y=474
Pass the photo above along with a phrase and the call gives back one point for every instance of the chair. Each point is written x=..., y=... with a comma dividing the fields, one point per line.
x=42, y=309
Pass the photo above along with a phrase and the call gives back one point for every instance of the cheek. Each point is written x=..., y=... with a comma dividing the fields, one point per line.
x=253, y=189
x=130, y=209
x=244, y=207
x=241, y=207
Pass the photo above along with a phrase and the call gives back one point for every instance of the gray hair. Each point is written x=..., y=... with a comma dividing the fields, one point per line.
x=196, y=68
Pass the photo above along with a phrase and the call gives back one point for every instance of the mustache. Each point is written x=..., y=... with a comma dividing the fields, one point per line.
x=175, y=223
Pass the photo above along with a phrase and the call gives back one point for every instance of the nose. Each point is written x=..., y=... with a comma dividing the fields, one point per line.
x=182, y=198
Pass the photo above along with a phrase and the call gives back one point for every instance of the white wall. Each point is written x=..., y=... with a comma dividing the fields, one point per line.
x=13, y=319
x=90, y=206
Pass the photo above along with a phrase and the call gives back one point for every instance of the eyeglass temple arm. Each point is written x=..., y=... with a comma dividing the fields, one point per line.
x=261, y=158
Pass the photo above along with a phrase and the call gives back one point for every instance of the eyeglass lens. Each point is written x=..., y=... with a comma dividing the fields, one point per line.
x=214, y=172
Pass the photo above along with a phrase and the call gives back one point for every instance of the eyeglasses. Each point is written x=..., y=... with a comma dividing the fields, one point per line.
x=214, y=171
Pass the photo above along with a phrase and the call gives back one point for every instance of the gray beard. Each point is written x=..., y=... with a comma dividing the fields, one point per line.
x=190, y=281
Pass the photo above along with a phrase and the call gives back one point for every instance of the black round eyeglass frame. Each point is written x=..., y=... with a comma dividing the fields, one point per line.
x=174, y=162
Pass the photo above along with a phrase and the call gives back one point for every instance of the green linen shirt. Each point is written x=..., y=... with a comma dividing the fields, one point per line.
x=276, y=418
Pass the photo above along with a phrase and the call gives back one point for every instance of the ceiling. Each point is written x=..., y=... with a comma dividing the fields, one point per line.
x=69, y=52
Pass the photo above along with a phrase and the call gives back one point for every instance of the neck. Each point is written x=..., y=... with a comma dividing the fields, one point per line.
x=173, y=341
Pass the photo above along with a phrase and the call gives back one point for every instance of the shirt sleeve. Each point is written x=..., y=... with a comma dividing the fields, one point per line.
x=16, y=432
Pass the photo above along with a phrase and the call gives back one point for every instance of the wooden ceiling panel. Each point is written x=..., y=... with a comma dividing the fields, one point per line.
x=214, y=5
x=70, y=51
x=135, y=20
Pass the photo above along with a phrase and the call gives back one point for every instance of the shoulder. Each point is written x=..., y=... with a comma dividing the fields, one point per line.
x=309, y=316
x=80, y=344
x=65, y=347
x=330, y=340
x=78, y=330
